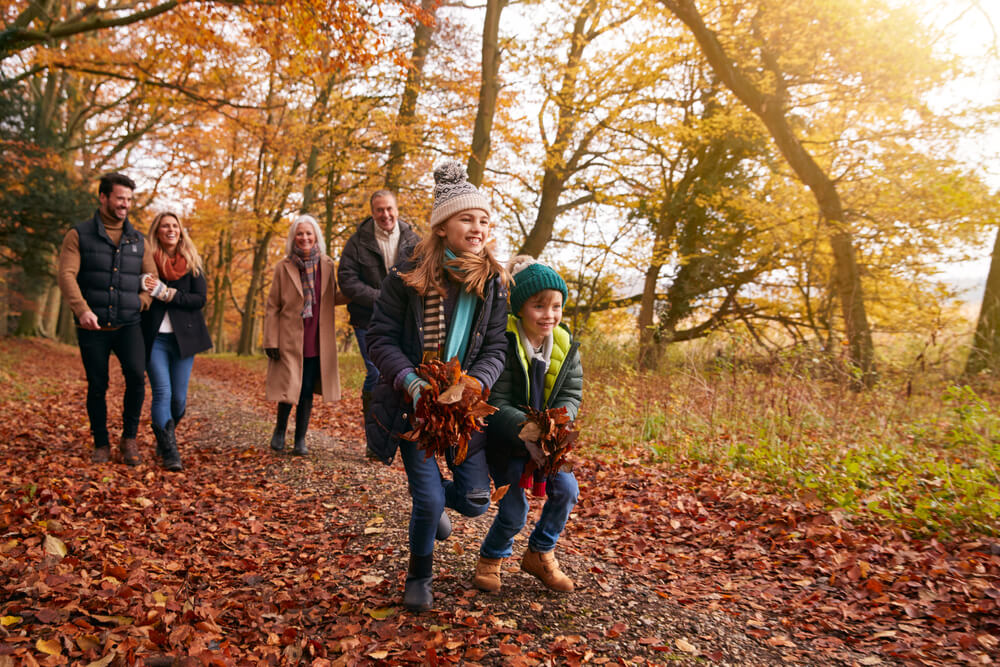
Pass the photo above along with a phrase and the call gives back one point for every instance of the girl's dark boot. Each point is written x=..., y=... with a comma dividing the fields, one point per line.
x=302, y=413
x=417, y=595
x=171, y=457
x=278, y=437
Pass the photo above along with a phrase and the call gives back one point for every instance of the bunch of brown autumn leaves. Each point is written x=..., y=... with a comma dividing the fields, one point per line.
x=449, y=411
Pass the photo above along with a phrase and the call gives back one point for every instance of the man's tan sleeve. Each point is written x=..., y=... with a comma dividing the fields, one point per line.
x=69, y=267
x=148, y=262
x=148, y=266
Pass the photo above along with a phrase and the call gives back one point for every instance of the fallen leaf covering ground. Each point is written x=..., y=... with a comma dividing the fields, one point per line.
x=251, y=558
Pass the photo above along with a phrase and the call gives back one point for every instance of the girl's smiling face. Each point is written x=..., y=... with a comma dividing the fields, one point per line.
x=168, y=233
x=466, y=231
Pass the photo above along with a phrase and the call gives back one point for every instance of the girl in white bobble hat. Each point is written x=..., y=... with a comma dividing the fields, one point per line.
x=448, y=301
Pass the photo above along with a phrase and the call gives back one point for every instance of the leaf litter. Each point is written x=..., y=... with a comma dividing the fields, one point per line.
x=251, y=558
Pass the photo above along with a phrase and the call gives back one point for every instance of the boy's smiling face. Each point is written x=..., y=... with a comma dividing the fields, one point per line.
x=540, y=314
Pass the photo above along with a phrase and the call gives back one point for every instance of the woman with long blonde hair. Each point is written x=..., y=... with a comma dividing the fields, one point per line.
x=173, y=328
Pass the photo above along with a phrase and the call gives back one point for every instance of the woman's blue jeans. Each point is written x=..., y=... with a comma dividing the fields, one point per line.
x=168, y=379
x=468, y=494
x=512, y=512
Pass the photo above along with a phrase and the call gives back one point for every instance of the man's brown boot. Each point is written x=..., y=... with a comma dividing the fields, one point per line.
x=101, y=454
x=487, y=574
x=546, y=567
x=130, y=451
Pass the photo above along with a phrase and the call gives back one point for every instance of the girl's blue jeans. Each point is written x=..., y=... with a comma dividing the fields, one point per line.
x=168, y=379
x=468, y=493
x=512, y=512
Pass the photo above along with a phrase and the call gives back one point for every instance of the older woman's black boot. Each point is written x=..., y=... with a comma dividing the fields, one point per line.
x=161, y=441
x=278, y=437
x=302, y=413
x=172, y=457
x=166, y=447
x=417, y=595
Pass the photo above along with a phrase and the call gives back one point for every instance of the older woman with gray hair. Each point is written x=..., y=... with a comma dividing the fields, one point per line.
x=300, y=332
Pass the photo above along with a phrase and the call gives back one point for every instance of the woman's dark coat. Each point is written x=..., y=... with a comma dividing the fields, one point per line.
x=186, y=316
x=395, y=343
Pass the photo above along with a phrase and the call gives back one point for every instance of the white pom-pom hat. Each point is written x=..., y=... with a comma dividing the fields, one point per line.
x=453, y=193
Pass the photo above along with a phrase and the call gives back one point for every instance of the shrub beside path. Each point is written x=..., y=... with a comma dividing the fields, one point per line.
x=251, y=558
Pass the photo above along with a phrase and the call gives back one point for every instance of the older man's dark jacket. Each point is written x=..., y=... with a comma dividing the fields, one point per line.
x=362, y=268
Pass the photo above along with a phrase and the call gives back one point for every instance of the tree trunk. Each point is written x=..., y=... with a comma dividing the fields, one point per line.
x=771, y=110
x=50, y=313
x=33, y=292
x=66, y=330
x=317, y=118
x=220, y=289
x=647, y=348
x=422, y=34
x=557, y=164
x=488, y=92
x=247, y=342
x=985, y=353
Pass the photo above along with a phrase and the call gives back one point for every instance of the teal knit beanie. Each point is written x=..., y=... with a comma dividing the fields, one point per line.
x=530, y=278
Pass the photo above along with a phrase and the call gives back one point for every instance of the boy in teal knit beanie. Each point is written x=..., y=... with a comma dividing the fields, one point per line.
x=542, y=371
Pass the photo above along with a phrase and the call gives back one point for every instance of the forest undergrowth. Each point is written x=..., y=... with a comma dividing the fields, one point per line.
x=919, y=449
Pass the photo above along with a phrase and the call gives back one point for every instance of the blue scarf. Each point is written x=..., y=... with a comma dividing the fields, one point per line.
x=461, y=321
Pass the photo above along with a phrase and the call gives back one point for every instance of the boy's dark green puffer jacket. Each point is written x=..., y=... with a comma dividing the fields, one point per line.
x=510, y=393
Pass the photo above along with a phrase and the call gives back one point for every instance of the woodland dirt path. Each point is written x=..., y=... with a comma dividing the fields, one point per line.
x=605, y=619
x=608, y=618
x=249, y=558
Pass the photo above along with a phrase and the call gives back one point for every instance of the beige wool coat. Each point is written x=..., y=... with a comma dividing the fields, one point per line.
x=283, y=329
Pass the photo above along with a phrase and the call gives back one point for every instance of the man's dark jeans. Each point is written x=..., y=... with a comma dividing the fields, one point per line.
x=95, y=351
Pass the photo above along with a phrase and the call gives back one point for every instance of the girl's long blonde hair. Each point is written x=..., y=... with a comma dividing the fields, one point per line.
x=185, y=246
x=475, y=270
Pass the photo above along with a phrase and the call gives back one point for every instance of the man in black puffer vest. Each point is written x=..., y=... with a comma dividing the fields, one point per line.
x=382, y=240
x=100, y=274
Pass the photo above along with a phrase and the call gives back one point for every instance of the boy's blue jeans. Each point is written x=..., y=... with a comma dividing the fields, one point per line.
x=512, y=512
x=468, y=494
x=371, y=370
x=169, y=374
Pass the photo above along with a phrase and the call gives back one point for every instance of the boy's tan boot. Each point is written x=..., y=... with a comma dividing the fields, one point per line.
x=546, y=567
x=487, y=574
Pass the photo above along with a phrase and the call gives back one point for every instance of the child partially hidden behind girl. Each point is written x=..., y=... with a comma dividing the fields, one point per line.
x=543, y=371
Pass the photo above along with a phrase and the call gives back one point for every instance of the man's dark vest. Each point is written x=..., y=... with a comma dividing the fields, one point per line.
x=110, y=275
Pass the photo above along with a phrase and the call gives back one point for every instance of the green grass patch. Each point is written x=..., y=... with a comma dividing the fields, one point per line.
x=927, y=459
